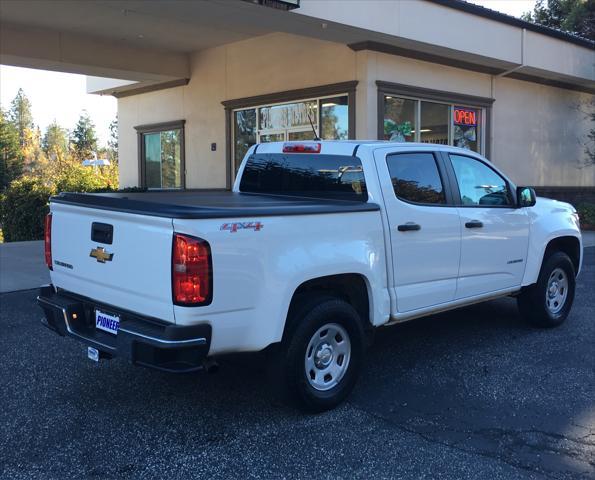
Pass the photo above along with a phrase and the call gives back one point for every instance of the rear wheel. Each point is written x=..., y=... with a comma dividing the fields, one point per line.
x=321, y=357
x=547, y=303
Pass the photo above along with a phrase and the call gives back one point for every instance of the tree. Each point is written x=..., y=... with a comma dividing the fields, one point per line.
x=84, y=138
x=11, y=161
x=573, y=16
x=112, y=143
x=20, y=115
x=55, y=142
x=589, y=160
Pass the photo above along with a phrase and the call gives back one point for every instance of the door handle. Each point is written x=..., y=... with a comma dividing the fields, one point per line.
x=474, y=224
x=409, y=227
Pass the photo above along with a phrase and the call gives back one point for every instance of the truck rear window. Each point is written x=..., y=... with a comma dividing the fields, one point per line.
x=312, y=175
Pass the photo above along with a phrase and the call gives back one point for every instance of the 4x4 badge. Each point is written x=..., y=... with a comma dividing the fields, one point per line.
x=101, y=255
x=235, y=226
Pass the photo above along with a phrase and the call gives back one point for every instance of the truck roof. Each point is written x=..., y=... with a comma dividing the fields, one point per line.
x=349, y=147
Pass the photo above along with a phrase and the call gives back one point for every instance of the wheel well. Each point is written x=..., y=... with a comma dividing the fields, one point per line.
x=569, y=245
x=350, y=287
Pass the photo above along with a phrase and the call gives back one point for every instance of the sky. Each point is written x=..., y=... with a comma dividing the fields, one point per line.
x=62, y=96
x=57, y=96
x=511, y=7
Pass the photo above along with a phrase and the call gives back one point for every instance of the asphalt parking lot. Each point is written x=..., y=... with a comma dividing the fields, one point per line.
x=468, y=394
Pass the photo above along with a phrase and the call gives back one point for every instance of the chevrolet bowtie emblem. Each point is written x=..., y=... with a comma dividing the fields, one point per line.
x=101, y=255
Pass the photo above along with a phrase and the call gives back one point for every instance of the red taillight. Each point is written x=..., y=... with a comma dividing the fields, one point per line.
x=191, y=271
x=47, y=240
x=302, y=147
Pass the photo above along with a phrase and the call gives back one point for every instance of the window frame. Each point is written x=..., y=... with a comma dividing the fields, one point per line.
x=454, y=184
x=483, y=104
x=442, y=172
x=141, y=131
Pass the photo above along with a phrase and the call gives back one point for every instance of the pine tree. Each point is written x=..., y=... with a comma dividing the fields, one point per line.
x=55, y=141
x=112, y=143
x=84, y=138
x=574, y=16
x=21, y=116
x=11, y=161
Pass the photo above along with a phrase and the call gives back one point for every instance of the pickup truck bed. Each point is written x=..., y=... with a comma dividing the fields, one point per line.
x=211, y=204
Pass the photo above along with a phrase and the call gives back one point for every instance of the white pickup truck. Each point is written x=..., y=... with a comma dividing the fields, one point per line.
x=318, y=245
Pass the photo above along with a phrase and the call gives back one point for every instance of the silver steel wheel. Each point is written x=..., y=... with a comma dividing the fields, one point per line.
x=557, y=291
x=327, y=356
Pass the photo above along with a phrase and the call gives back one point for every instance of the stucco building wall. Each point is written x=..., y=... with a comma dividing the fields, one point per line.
x=535, y=129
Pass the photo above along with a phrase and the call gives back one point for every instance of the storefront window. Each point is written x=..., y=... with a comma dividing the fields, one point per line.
x=162, y=159
x=334, y=118
x=288, y=116
x=434, y=123
x=466, y=125
x=418, y=120
x=290, y=121
x=244, y=133
x=399, y=119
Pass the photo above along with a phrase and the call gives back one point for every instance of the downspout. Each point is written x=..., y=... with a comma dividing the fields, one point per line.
x=500, y=75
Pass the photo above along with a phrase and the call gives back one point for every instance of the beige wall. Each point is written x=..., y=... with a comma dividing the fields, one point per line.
x=267, y=64
x=535, y=128
x=538, y=134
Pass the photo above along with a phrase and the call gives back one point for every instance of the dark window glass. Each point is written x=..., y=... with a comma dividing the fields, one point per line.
x=478, y=183
x=434, y=123
x=415, y=178
x=325, y=176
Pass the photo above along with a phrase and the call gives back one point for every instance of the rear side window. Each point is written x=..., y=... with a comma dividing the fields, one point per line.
x=415, y=178
x=312, y=175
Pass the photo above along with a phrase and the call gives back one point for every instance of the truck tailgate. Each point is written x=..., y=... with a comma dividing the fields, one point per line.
x=137, y=277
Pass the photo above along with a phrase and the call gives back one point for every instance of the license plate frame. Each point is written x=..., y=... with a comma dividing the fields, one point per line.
x=107, y=322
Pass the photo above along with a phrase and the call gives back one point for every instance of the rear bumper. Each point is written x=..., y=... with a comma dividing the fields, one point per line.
x=141, y=340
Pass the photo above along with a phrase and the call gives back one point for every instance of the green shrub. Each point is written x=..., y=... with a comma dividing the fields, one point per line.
x=24, y=206
x=586, y=213
x=80, y=179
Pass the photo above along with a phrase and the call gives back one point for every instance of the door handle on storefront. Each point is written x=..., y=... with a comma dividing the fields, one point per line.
x=474, y=224
x=408, y=227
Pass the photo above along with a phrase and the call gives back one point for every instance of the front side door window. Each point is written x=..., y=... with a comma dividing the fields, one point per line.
x=479, y=184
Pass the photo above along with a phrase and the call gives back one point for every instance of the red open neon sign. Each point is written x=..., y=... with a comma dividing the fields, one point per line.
x=465, y=117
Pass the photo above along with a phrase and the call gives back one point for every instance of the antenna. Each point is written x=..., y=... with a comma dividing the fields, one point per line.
x=316, y=137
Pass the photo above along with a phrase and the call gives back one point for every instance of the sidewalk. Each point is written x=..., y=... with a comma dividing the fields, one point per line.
x=22, y=266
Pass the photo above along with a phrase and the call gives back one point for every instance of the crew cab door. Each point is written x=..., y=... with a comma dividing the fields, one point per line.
x=495, y=234
x=425, y=231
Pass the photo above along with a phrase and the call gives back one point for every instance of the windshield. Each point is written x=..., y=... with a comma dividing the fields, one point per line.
x=311, y=175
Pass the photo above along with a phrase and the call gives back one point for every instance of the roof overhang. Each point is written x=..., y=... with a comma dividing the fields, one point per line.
x=149, y=43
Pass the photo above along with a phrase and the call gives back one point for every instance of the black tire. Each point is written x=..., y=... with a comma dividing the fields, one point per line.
x=533, y=301
x=305, y=321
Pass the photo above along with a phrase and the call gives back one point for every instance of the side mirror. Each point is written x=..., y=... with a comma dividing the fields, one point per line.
x=525, y=197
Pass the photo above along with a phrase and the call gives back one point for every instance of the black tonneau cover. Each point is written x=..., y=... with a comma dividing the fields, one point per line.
x=209, y=204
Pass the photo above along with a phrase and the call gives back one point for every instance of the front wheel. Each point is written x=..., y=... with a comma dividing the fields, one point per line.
x=322, y=354
x=547, y=303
